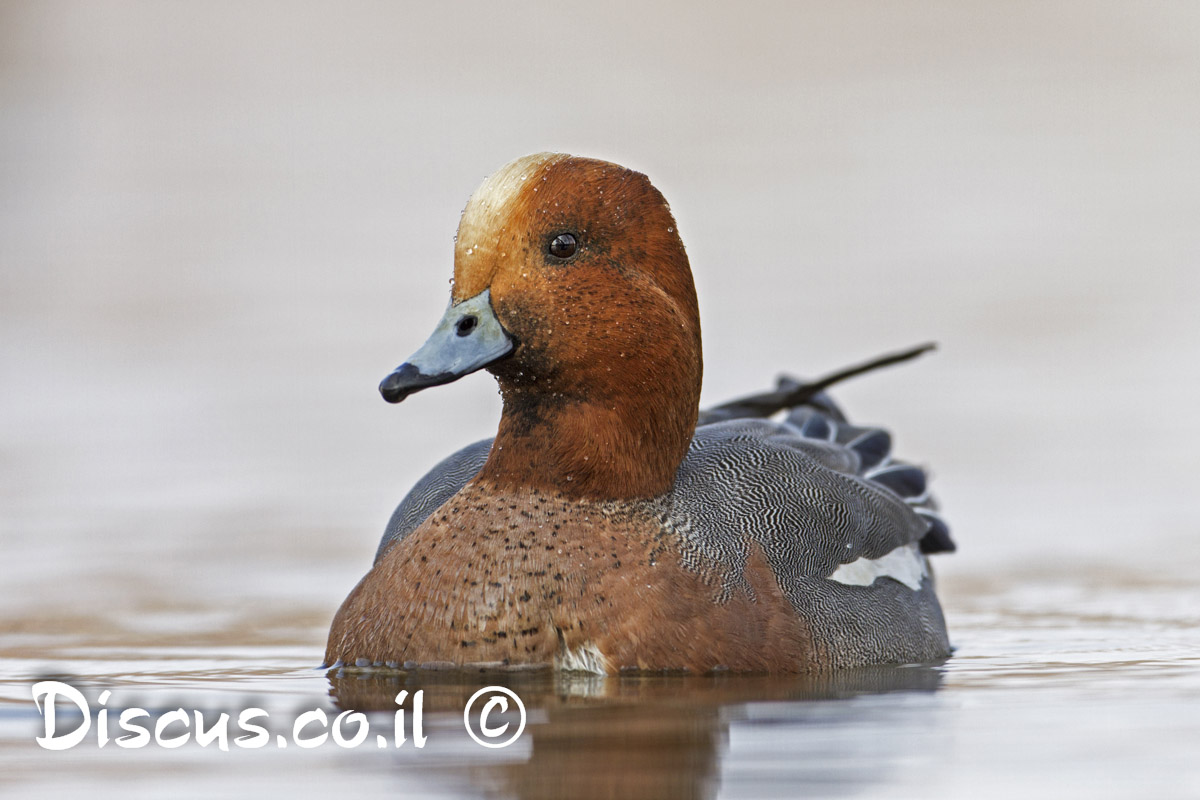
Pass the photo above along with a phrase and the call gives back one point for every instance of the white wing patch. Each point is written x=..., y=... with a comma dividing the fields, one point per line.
x=905, y=564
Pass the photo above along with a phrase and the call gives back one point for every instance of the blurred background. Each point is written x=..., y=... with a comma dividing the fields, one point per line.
x=221, y=224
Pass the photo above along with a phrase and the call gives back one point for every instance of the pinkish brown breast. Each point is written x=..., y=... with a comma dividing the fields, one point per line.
x=529, y=578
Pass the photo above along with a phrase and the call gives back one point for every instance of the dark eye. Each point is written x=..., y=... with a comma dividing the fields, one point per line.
x=563, y=245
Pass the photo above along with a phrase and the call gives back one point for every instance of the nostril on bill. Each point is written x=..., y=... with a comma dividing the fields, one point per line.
x=465, y=325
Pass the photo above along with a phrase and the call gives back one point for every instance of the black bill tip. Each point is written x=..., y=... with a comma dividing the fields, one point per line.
x=401, y=383
x=408, y=378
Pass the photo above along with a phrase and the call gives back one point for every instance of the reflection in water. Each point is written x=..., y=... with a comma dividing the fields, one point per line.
x=646, y=736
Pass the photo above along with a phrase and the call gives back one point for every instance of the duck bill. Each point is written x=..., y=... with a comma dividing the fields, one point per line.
x=468, y=338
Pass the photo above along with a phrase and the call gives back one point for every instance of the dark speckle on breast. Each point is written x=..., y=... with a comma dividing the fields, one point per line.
x=607, y=599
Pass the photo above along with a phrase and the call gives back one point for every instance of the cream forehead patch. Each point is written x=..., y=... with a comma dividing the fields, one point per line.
x=477, y=254
x=485, y=210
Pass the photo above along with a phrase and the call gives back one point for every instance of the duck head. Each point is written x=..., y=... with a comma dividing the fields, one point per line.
x=572, y=287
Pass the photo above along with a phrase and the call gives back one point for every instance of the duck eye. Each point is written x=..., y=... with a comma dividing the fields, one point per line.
x=563, y=245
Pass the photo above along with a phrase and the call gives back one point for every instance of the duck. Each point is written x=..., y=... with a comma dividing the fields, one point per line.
x=610, y=526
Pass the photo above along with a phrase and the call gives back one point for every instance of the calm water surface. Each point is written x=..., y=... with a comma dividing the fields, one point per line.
x=1057, y=689
x=219, y=230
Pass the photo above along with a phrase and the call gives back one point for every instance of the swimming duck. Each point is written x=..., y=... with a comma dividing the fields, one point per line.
x=610, y=525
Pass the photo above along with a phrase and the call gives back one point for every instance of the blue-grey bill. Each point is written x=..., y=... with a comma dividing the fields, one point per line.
x=468, y=338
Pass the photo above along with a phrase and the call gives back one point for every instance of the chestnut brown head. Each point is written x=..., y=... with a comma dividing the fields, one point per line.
x=571, y=285
x=588, y=285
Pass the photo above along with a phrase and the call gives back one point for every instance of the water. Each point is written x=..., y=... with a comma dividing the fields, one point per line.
x=220, y=232
x=1096, y=696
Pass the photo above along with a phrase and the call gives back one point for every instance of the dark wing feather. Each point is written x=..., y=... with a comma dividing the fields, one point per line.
x=800, y=499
